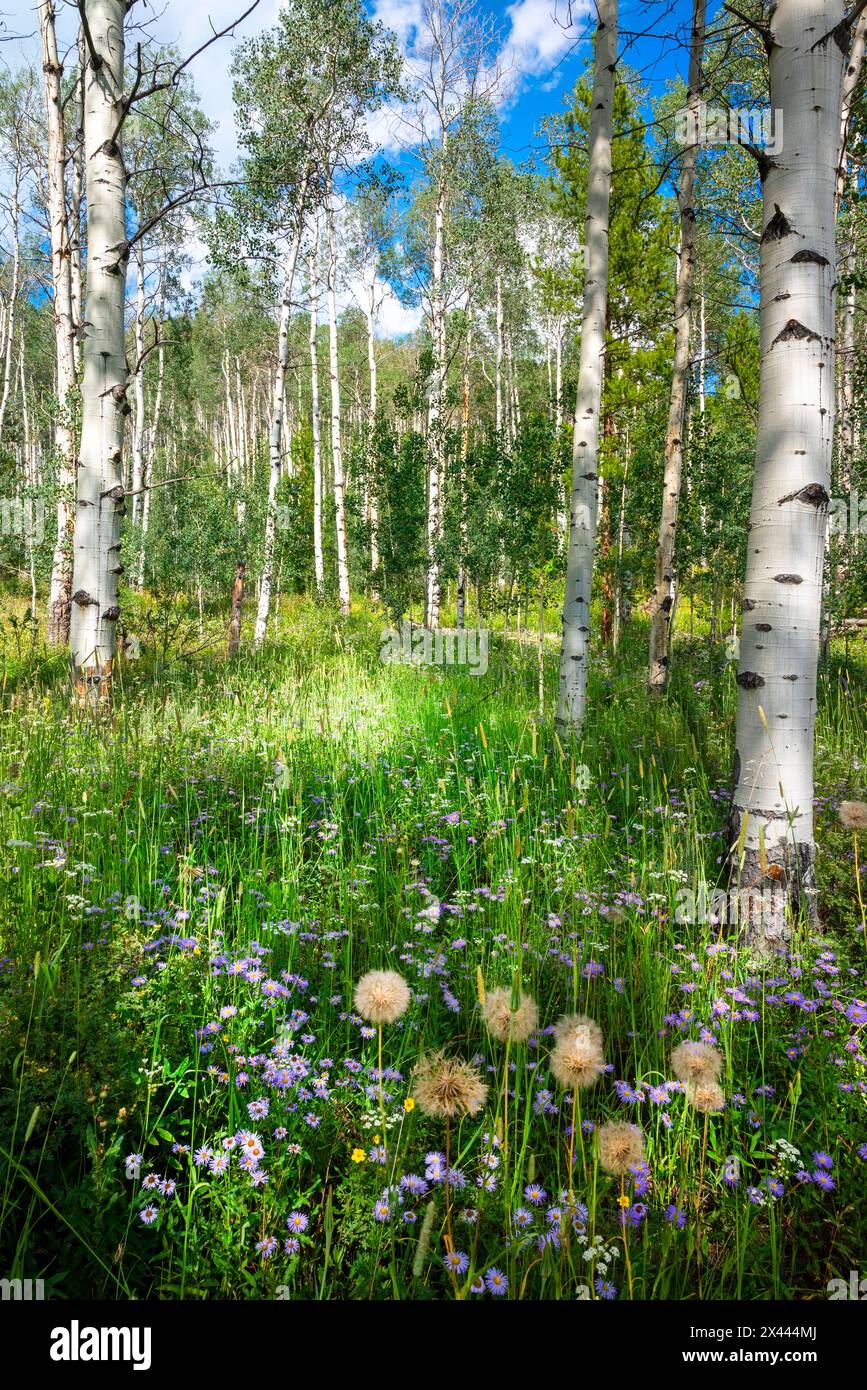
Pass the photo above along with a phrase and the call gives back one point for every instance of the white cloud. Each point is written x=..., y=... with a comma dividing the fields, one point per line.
x=395, y=319
x=541, y=33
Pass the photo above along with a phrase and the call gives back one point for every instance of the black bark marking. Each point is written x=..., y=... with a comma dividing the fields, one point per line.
x=790, y=678
x=814, y=257
x=814, y=493
x=112, y=614
x=778, y=227
x=82, y=598
x=788, y=579
x=750, y=680
x=747, y=605
x=763, y=627
x=795, y=331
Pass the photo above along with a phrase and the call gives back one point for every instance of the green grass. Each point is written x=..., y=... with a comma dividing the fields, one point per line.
x=330, y=814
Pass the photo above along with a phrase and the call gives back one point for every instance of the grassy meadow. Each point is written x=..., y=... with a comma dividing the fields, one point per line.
x=191, y=1105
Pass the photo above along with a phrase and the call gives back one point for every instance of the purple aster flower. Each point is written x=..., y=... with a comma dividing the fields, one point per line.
x=456, y=1262
x=496, y=1281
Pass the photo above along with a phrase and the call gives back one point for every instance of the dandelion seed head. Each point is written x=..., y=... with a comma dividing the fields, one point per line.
x=445, y=1086
x=621, y=1147
x=381, y=996
x=503, y=1022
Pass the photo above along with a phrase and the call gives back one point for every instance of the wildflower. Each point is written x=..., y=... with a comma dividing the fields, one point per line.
x=456, y=1262
x=358, y=1156
x=621, y=1147
x=444, y=1086
x=503, y=1022
x=409, y=1105
x=478, y=1285
x=267, y=1247
x=853, y=815
x=823, y=1160
x=824, y=1180
x=605, y=1289
x=523, y=1217
x=535, y=1194
x=382, y=996
x=381, y=1210
x=496, y=1281
x=291, y=1245
x=414, y=1185
x=149, y=1214
x=296, y=1221
x=695, y=1061
x=674, y=1216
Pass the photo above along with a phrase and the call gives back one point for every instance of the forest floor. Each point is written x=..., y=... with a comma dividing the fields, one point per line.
x=190, y=1106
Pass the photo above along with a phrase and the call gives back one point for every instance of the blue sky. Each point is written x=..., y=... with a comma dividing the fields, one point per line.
x=542, y=43
x=541, y=47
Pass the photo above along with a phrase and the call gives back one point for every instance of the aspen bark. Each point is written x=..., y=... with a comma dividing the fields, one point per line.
x=575, y=646
x=95, y=609
x=771, y=818
x=278, y=406
x=65, y=331
x=336, y=443
x=318, y=554
x=662, y=599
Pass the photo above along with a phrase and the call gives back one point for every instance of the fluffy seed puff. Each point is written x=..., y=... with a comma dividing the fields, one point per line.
x=577, y=1025
x=577, y=1059
x=696, y=1061
x=621, y=1147
x=705, y=1096
x=853, y=814
x=503, y=1022
x=381, y=996
x=447, y=1086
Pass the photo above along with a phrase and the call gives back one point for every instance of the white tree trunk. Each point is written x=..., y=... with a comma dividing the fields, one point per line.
x=9, y=360
x=498, y=361
x=372, y=406
x=662, y=599
x=95, y=609
x=76, y=200
x=65, y=331
x=575, y=648
x=771, y=823
x=318, y=554
x=275, y=440
x=436, y=422
x=336, y=446
x=139, y=424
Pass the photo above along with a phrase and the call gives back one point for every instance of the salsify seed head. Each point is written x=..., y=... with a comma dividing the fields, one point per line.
x=621, y=1147
x=576, y=1025
x=853, y=814
x=504, y=1022
x=381, y=996
x=705, y=1096
x=696, y=1061
x=447, y=1086
x=577, y=1060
